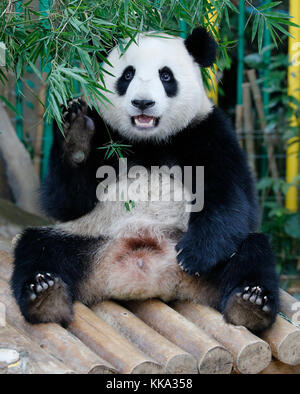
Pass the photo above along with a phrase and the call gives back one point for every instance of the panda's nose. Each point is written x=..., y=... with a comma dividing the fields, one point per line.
x=143, y=104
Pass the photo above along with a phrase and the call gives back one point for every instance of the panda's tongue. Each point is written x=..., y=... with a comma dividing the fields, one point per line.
x=144, y=120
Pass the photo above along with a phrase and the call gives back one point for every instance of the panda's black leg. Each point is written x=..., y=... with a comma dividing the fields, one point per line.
x=249, y=285
x=48, y=267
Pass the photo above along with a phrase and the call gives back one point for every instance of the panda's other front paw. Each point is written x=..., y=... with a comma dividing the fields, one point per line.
x=252, y=307
x=46, y=299
x=191, y=258
x=79, y=130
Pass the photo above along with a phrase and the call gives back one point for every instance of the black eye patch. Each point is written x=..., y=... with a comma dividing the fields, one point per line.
x=169, y=82
x=124, y=80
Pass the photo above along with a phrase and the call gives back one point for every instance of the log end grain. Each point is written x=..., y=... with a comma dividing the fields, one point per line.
x=102, y=370
x=254, y=358
x=218, y=360
x=182, y=364
x=289, y=349
x=147, y=367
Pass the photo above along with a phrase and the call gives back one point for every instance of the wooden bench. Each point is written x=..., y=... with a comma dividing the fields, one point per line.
x=144, y=337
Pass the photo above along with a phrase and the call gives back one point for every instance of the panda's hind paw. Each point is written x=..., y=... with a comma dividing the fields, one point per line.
x=40, y=284
x=46, y=299
x=255, y=295
x=251, y=306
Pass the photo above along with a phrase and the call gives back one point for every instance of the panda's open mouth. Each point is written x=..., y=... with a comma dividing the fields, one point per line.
x=144, y=121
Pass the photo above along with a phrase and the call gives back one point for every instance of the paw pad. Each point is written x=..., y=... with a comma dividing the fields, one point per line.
x=40, y=284
x=256, y=296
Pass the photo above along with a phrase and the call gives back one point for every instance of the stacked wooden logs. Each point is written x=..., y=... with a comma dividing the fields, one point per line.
x=144, y=337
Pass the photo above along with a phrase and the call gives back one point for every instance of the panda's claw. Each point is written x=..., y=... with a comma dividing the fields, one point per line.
x=40, y=284
x=255, y=295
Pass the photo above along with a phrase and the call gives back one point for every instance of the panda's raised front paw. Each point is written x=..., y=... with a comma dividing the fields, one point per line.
x=78, y=129
x=253, y=307
x=191, y=258
x=46, y=299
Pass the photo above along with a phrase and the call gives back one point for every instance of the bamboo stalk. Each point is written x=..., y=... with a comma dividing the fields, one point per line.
x=284, y=339
x=174, y=359
x=211, y=356
x=251, y=354
x=239, y=123
x=40, y=129
x=109, y=344
x=289, y=306
x=267, y=139
x=248, y=126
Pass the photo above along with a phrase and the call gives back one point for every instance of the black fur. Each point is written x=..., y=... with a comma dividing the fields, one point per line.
x=202, y=47
x=253, y=264
x=222, y=228
x=220, y=243
x=124, y=80
x=47, y=250
x=68, y=192
x=170, y=85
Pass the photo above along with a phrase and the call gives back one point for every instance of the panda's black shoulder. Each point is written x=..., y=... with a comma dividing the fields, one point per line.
x=212, y=135
x=215, y=126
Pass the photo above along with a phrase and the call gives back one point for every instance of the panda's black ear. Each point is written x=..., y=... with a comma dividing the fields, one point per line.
x=202, y=47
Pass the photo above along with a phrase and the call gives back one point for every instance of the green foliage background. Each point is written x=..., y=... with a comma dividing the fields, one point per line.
x=73, y=32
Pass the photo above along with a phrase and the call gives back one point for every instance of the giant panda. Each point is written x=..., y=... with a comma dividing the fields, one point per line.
x=157, y=108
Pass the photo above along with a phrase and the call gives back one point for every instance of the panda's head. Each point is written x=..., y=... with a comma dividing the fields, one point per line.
x=156, y=86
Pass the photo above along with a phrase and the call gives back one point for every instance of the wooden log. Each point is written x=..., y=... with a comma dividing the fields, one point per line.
x=277, y=367
x=55, y=339
x=284, y=339
x=5, y=244
x=211, y=356
x=289, y=306
x=32, y=358
x=6, y=265
x=109, y=344
x=170, y=356
x=22, y=177
x=2, y=315
x=251, y=354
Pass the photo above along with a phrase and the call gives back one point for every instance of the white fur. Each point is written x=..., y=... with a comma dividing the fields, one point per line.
x=148, y=56
x=110, y=218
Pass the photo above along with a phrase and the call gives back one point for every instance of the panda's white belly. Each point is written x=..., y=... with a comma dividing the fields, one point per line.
x=152, y=208
x=138, y=260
